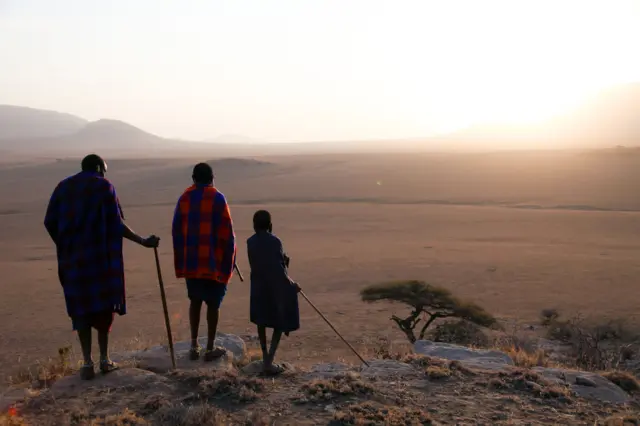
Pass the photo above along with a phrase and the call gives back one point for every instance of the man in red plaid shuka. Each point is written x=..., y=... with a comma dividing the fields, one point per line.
x=204, y=249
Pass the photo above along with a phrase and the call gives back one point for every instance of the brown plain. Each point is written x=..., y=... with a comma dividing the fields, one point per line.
x=515, y=232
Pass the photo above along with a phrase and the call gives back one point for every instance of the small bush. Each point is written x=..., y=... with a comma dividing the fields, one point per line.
x=548, y=316
x=182, y=415
x=523, y=358
x=126, y=418
x=530, y=382
x=428, y=303
x=460, y=332
x=437, y=373
x=222, y=385
x=625, y=380
x=12, y=420
x=340, y=385
x=596, y=346
x=367, y=413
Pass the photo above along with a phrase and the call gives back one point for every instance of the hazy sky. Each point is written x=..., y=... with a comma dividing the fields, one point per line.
x=313, y=70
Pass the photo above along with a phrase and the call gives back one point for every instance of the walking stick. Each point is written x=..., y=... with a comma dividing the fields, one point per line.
x=333, y=328
x=166, y=311
x=238, y=271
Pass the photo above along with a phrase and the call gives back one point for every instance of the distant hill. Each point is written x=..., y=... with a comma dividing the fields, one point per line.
x=18, y=122
x=231, y=138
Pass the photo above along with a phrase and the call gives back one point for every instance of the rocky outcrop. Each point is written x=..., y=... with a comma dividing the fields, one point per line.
x=582, y=383
x=131, y=378
x=585, y=384
x=386, y=368
x=158, y=358
x=473, y=358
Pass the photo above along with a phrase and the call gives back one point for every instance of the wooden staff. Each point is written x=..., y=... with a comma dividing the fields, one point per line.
x=333, y=328
x=166, y=311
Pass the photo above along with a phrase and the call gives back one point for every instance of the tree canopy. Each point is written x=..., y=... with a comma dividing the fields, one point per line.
x=428, y=303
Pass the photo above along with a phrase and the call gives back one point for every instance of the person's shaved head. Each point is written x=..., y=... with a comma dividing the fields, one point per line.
x=202, y=174
x=262, y=221
x=94, y=163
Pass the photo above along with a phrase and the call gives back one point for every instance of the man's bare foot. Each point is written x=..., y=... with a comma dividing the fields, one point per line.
x=194, y=353
x=87, y=372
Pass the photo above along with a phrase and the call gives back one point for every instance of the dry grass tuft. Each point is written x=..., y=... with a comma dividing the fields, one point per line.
x=621, y=421
x=252, y=354
x=196, y=415
x=523, y=358
x=438, y=373
x=222, y=385
x=44, y=374
x=11, y=420
x=418, y=360
x=126, y=418
x=625, y=380
x=340, y=385
x=367, y=413
x=530, y=382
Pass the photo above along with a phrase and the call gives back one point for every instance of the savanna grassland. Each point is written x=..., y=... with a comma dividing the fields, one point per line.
x=514, y=232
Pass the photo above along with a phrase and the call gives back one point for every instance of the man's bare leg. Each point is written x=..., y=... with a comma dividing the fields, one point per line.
x=262, y=335
x=212, y=326
x=87, y=371
x=194, y=322
x=84, y=336
x=106, y=365
x=275, y=341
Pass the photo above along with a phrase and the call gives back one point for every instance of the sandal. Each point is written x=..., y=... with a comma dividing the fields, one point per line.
x=194, y=353
x=274, y=370
x=87, y=372
x=214, y=354
x=107, y=366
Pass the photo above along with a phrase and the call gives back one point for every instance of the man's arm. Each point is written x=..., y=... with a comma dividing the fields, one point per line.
x=227, y=236
x=278, y=265
x=114, y=215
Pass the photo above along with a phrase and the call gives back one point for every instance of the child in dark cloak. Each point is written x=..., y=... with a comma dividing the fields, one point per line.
x=274, y=296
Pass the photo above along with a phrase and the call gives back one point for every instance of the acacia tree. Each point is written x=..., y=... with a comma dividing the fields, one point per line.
x=428, y=303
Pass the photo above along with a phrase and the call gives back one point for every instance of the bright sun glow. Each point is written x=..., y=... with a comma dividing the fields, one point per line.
x=315, y=70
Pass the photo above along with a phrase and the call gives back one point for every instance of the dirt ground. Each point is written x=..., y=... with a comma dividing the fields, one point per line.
x=515, y=232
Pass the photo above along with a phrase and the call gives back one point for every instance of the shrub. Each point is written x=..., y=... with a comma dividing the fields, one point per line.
x=625, y=380
x=367, y=413
x=595, y=345
x=547, y=316
x=340, y=385
x=460, y=332
x=428, y=303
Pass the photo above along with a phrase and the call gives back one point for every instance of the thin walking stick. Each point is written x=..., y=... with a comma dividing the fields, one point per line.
x=333, y=328
x=166, y=311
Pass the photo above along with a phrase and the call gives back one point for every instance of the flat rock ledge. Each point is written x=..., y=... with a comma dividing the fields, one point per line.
x=584, y=384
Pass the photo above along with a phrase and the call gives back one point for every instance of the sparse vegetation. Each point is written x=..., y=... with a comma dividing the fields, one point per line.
x=523, y=358
x=625, y=380
x=460, y=332
x=428, y=302
x=530, y=382
x=340, y=385
x=368, y=413
x=222, y=385
x=201, y=414
x=45, y=373
x=595, y=345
